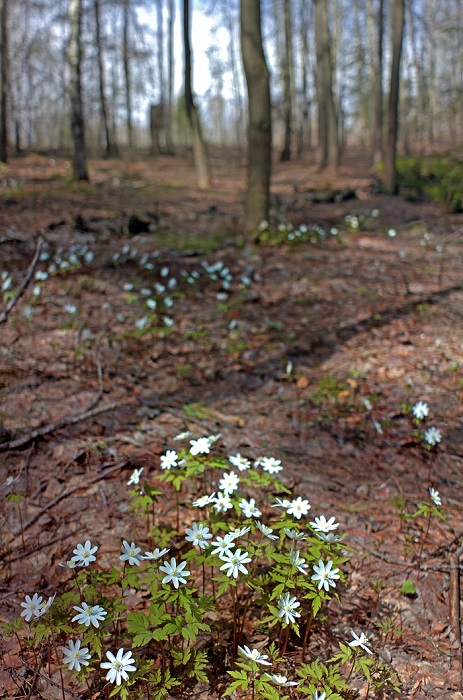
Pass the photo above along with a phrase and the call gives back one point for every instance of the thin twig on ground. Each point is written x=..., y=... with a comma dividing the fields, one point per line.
x=61, y=423
x=27, y=279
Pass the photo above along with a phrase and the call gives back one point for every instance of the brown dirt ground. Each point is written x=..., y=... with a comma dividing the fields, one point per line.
x=360, y=315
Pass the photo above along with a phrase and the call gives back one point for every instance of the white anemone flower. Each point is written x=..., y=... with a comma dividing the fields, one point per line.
x=434, y=496
x=361, y=641
x=271, y=465
x=280, y=680
x=89, y=615
x=288, y=608
x=130, y=553
x=32, y=607
x=135, y=478
x=298, y=507
x=198, y=535
x=321, y=524
x=118, y=666
x=239, y=462
x=202, y=446
x=84, y=554
x=74, y=657
x=420, y=410
x=222, y=502
x=169, y=460
x=433, y=436
x=234, y=563
x=229, y=482
x=175, y=573
x=325, y=575
x=254, y=655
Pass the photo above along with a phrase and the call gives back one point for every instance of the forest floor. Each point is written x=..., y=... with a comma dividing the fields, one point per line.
x=368, y=314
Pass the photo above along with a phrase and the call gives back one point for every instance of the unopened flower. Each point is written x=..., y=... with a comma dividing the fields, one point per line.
x=295, y=535
x=118, y=666
x=254, y=655
x=297, y=561
x=84, y=554
x=175, y=573
x=325, y=575
x=287, y=608
x=130, y=553
x=74, y=657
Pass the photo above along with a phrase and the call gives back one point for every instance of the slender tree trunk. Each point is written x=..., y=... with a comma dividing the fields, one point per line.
x=288, y=78
x=305, y=128
x=259, y=129
x=127, y=76
x=108, y=150
x=390, y=169
x=77, y=113
x=170, y=76
x=199, y=147
x=3, y=80
x=327, y=117
x=237, y=97
x=378, y=128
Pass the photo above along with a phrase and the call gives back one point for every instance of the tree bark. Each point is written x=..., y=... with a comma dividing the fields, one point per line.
x=77, y=114
x=108, y=149
x=327, y=117
x=3, y=80
x=378, y=126
x=390, y=168
x=288, y=78
x=259, y=129
x=199, y=147
x=170, y=79
x=127, y=76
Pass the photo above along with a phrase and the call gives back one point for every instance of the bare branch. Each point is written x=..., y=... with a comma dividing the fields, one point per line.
x=27, y=279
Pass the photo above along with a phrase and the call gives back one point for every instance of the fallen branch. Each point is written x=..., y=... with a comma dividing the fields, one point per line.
x=51, y=427
x=454, y=605
x=64, y=495
x=27, y=279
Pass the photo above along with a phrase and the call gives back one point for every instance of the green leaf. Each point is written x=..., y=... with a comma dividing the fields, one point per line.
x=408, y=588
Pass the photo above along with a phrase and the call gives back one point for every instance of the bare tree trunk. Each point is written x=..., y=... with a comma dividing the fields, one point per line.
x=77, y=114
x=108, y=151
x=305, y=128
x=378, y=128
x=160, y=61
x=199, y=147
x=170, y=77
x=127, y=77
x=259, y=130
x=327, y=117
x=288, y=79
x=3, y=80
x=390, y=169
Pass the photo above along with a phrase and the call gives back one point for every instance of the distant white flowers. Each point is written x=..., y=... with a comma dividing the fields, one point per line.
x=135, y=478
x=434, y=496
x=420, y=410
x=432, y=436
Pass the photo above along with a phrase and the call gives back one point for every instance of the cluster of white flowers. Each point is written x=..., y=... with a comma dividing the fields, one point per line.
x=432, y=436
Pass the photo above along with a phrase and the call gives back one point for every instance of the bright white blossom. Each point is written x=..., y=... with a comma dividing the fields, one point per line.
x=271, y=465
x=297, y=561
x=222, y=502
x=325, y=575
x=287, y=608
x=229, y=482
x=183, y=436
x=254, y=655
x=135, y=478
x=298, y=507
x=84, y=554
x=420, y=410
x=240, y=462
x=360, y=641
x=223, y=545
x=156, y=553
x=175, y=573
x=74, y=657
x=321, y=524
x=89, y=615
x=32, y=607
x=169, y=460
x=280, y=680
x=266, y=530
x=432, y=436
x=198, y=535
x=118, y=666
x=249, y=508
x=434, y=496
x=202, y=446
x=239, y=532
x=130, y=553
x=234, y=562
x=295, y=535
x=204, y=501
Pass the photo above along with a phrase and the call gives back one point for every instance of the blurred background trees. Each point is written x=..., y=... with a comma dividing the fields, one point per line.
x=343, y=78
